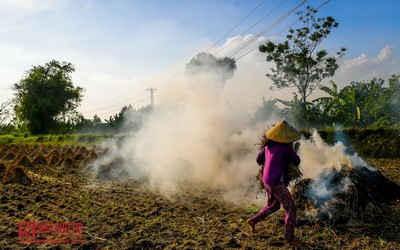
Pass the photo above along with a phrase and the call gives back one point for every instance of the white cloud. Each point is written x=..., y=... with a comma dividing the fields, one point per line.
x=357, y=61
x=384, y=54
x=364, y=59
x=364, y=68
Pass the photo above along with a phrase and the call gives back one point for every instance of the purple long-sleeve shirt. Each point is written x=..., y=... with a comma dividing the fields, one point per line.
x=276, y=159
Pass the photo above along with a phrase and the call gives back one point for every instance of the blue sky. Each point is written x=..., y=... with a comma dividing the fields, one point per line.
x=122, y=47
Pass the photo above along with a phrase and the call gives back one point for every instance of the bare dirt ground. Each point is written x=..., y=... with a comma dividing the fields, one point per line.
x=129, y=215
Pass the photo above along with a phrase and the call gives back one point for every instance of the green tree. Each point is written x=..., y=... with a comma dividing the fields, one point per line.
x=298, y=64
x=394, y=98
x=4, y=112
x=302, y=115
x=328, y=105
x=116, y=120
x=129, y=118
x=6, y=121
x=96, y=120
x=90, y=126
x=266, y=111
x=45, y=98
x=367, y=103
x=383, y=104
x=357, y=104
x=376, y=109
x=204, y=62
x=353, y=98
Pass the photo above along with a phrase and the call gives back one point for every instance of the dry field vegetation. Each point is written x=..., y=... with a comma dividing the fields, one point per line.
x=54, y=184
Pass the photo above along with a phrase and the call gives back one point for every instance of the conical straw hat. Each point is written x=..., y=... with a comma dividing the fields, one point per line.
x=283, y=132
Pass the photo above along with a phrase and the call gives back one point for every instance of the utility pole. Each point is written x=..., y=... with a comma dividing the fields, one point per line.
x=152, y=96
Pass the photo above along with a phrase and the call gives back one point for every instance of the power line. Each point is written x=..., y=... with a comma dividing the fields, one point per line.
x=323, y=4
x=243, y=33
x=112, y=105
x=114, y=109
x=243, y=45
x=251, y=26
x=289, y=26
x=119, y=108
x=227, y=33
x=246, y=43
x=239, y=56
x=240, y=51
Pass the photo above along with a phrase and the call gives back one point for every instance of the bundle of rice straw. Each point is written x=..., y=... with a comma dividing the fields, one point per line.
x=260, y=184
x=294, y=172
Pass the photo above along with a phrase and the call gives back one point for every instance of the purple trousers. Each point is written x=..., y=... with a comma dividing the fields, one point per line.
x=277, y=195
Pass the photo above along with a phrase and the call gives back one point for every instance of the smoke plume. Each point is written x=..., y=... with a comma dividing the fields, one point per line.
x=316, y=155
x=194, y=139
x=321, y=161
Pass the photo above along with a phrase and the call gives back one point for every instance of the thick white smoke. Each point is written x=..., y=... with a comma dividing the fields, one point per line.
x=316, y=155
x=318, y=158
x=194, y=139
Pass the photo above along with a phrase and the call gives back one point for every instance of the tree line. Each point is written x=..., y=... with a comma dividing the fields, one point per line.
x=46, y=100
x=359, y=104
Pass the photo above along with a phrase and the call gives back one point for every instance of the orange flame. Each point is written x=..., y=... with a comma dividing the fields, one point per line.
x=349, y=165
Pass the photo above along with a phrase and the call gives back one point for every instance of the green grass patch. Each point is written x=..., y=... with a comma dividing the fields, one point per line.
x=253, y=208
x=69, y=139
x=367, y=142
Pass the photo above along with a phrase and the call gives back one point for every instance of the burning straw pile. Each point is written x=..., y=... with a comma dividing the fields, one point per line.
x=337, y=196
x=340, y=194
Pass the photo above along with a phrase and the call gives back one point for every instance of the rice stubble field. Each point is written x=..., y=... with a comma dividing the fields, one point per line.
x=55, y=185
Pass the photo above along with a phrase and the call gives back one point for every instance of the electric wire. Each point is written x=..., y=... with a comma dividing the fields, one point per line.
x=238, y=52
x=108, y=109
x=109, y=106
x=246, y=43
x=119, y=109
x=276, y=34
x=227, y=33
x=252, y=49
x=243, y=33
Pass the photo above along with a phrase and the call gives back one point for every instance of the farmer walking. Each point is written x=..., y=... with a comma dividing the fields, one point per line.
x=275, y=156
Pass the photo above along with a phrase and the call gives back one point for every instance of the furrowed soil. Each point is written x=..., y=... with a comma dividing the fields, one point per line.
x=129, y=215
